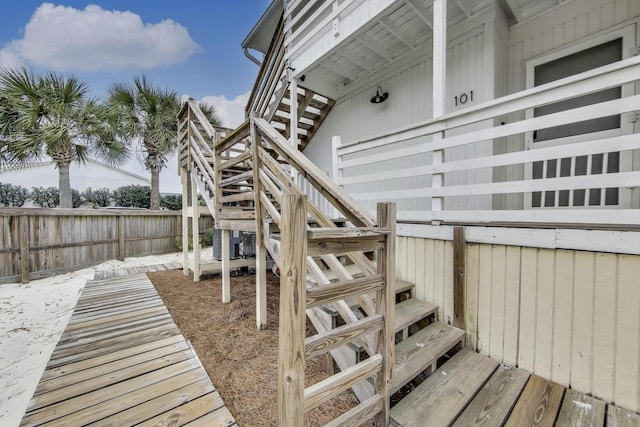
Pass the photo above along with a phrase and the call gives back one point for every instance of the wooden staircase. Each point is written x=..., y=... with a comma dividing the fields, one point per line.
x=338, y=274
x=272, y=97
x=404, y=365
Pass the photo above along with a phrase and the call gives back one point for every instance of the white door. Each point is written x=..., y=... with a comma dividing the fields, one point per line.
x=597, y=52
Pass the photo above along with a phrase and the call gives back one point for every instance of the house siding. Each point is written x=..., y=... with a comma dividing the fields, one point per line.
x=575, y=22
x=82, y=176
x=569, y=316
x=410, y=101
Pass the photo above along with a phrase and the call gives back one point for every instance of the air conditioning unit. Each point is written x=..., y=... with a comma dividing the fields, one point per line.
x=234, y=244
x=248, y=245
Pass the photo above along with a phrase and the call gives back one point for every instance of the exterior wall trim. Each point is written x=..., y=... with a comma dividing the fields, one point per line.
x=611, y=241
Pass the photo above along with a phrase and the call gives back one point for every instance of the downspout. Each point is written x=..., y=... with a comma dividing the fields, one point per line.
x=251, y=57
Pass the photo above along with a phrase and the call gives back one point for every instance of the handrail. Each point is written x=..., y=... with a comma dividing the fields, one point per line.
x=316, y=28
x=270, y=71
x=604, y=77
x=343, y=202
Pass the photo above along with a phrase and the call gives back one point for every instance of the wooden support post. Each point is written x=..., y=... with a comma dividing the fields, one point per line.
x=226, y=266
x=439, y=88
x=25, y=261
x=261, y=286
x=293, y=121
x=458, y=276
x=184, y=178
x=122, y=249
x=293, y=280
x=195, y=230
x=336, y=141
x=261, y=250
x=385, y=305
x=439, y=56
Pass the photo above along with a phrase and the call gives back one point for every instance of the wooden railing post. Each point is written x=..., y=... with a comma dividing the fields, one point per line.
x=458, y=276
x=336, y=140
x=261, y=250
x=195, y=230
x=25, y=262
x=122, y=248
x=385, y=305
x=293, y=279
x=439, y=91
x=184, y=178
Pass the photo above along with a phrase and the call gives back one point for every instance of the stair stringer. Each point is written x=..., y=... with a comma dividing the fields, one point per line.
x=203, y=191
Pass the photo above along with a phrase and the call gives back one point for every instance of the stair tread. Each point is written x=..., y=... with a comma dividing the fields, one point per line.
x=445, y=394
x=411, y=311
x=351, y=301
x=417, y=352
x=404, y=286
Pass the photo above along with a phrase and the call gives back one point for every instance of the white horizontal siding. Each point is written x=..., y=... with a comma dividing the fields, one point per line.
x=409, y=101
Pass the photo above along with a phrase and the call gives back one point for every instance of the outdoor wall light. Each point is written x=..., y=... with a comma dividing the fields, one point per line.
x=379, y=96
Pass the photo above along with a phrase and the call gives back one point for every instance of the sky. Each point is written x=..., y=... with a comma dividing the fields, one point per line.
x=192, y=47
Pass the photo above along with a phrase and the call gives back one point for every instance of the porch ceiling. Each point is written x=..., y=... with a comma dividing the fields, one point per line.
x=522, y=10
x=402, y=31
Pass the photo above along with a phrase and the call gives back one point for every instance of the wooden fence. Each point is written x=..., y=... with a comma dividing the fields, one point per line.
x=36, y=243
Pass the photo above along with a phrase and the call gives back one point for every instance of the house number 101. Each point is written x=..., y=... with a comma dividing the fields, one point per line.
x=463, y=98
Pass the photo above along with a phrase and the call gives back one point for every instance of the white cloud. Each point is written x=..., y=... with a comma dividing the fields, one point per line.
x=63, y=39
x=9, y=58
x=230, y=111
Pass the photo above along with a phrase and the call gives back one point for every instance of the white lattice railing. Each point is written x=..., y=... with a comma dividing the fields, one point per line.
x=492, y=172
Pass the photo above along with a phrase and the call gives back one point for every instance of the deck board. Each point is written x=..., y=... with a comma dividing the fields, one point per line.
x=619, y=417
x=580, y=410
x=510, y=397
x=495, y=400
x=538, y=405
x=444, y=395
x=122, y=361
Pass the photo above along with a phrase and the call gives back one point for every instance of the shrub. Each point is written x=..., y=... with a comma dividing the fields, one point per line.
x=206, y=239
x=135, y=196
x=12, y=195
x=45, y=197
x=76, y=198
x=171, y=202
x=99, y=198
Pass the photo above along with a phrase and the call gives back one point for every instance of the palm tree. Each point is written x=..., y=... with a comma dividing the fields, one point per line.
x=149, y=114
x=54, y=116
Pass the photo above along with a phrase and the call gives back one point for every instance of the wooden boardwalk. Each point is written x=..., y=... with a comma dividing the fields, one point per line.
x=122, y=361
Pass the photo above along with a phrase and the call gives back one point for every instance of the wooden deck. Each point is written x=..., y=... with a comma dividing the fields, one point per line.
x=474, y=390
x=122, y=361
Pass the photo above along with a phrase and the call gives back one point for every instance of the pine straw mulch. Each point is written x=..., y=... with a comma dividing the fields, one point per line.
x=241, y=361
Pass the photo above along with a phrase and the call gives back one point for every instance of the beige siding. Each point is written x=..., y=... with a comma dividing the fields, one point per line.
x=569, y=316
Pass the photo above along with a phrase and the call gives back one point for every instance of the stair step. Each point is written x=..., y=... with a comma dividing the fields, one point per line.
x=404, y=286
x=411, y=311
x=419, y=351
x=445, y=394
x=351, y=301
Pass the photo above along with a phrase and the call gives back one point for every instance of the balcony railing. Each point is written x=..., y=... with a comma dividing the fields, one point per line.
x=481, y=164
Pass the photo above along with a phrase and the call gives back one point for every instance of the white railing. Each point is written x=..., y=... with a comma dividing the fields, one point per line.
x=492, y=170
